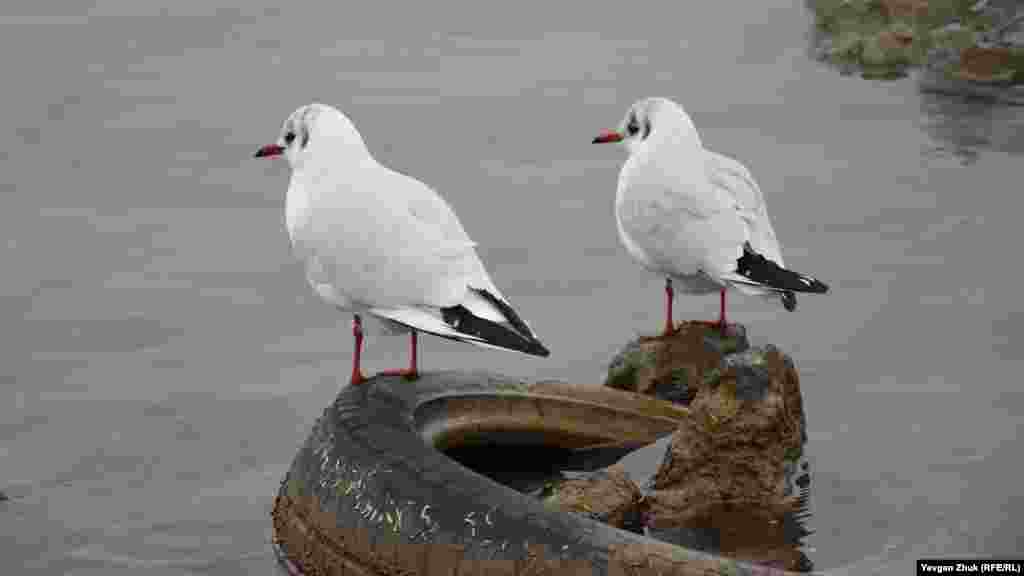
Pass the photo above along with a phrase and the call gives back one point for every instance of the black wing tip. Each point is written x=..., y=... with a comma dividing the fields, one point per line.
x=536, y=349
x=531, y=347
x=756, y=267
x=811, y=285
x=818, y=287
x=519, y=338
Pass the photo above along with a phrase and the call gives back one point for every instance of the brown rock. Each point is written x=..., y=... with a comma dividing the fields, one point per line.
x=738, y=447
x=985, y=64
x=607, y=495
x=894, y=39
x=731, y=466
x=669, y=367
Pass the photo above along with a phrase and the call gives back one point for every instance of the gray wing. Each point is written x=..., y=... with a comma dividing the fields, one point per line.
x=734, y=180
x=383, y=240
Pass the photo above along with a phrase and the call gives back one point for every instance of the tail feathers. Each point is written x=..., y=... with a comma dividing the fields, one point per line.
x=424, y=320
x=512, y=334
x=753, y=269
x=460, y=323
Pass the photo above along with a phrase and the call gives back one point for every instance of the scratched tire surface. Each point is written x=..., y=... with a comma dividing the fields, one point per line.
x=367, y=495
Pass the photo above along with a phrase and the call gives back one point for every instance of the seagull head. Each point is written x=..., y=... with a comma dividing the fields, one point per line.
x=312, y=128
x=650, y=120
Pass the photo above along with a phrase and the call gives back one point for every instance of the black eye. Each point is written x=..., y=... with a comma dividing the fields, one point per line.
x=632, y=127
x=289, y=138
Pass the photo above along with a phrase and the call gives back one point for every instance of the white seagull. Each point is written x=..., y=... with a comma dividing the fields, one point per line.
x=693, y=215
x=378, y=242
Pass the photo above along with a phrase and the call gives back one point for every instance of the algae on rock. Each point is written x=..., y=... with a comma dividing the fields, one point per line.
x=885, y=38
x=736, y=454
x=671, y=368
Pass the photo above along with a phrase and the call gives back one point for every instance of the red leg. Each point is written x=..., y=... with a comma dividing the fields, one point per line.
x=357, y=333
x=669, y=294
x=410, y=373
x=413, y=372
x=721, y=313
x=721, y=322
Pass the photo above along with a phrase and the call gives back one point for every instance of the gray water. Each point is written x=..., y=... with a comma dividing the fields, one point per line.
x=161, y=357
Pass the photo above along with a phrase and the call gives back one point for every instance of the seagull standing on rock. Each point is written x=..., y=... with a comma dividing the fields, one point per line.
x=378, y=242
x=694, y=216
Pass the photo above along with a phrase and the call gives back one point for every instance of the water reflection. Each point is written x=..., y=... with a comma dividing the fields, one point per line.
x=727, y=532
x=959, y=126
x=734, y=535
x=962, y=127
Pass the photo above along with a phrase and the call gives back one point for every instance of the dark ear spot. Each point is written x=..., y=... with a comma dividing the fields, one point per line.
x=305, y=138
x=632, y=127
x=647, y=127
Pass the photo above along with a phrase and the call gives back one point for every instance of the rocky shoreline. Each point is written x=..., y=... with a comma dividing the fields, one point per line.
x=955, y=47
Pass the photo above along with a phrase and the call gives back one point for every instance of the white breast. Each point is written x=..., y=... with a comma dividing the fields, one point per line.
x=297, y=209
x=659, y=225
x=627, y=242
x=299, y=223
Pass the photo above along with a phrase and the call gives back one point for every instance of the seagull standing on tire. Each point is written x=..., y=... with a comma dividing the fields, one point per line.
x=694, y=216
x=378, y=242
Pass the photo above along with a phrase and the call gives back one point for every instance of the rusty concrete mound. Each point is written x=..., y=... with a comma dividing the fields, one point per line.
x=731, y=479
x=371, y=493
x=740, y=443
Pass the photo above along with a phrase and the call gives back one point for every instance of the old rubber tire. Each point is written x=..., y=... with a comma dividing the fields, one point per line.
x=368, y=492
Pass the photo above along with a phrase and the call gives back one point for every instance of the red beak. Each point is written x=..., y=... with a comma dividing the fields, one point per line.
x=609, y=136
x=269, y=151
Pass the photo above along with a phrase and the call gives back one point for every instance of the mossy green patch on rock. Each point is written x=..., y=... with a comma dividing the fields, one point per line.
x=547, y=491
x=680, y=377
x=884, y=38
x=730, y=344
x=712, y=377
x=622, y=377
x=793, y=453
x=673, y=367
x=622, y=373
x=293, y=487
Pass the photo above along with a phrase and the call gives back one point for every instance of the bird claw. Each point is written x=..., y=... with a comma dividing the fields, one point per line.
x=722, y=327
x=404, y=373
